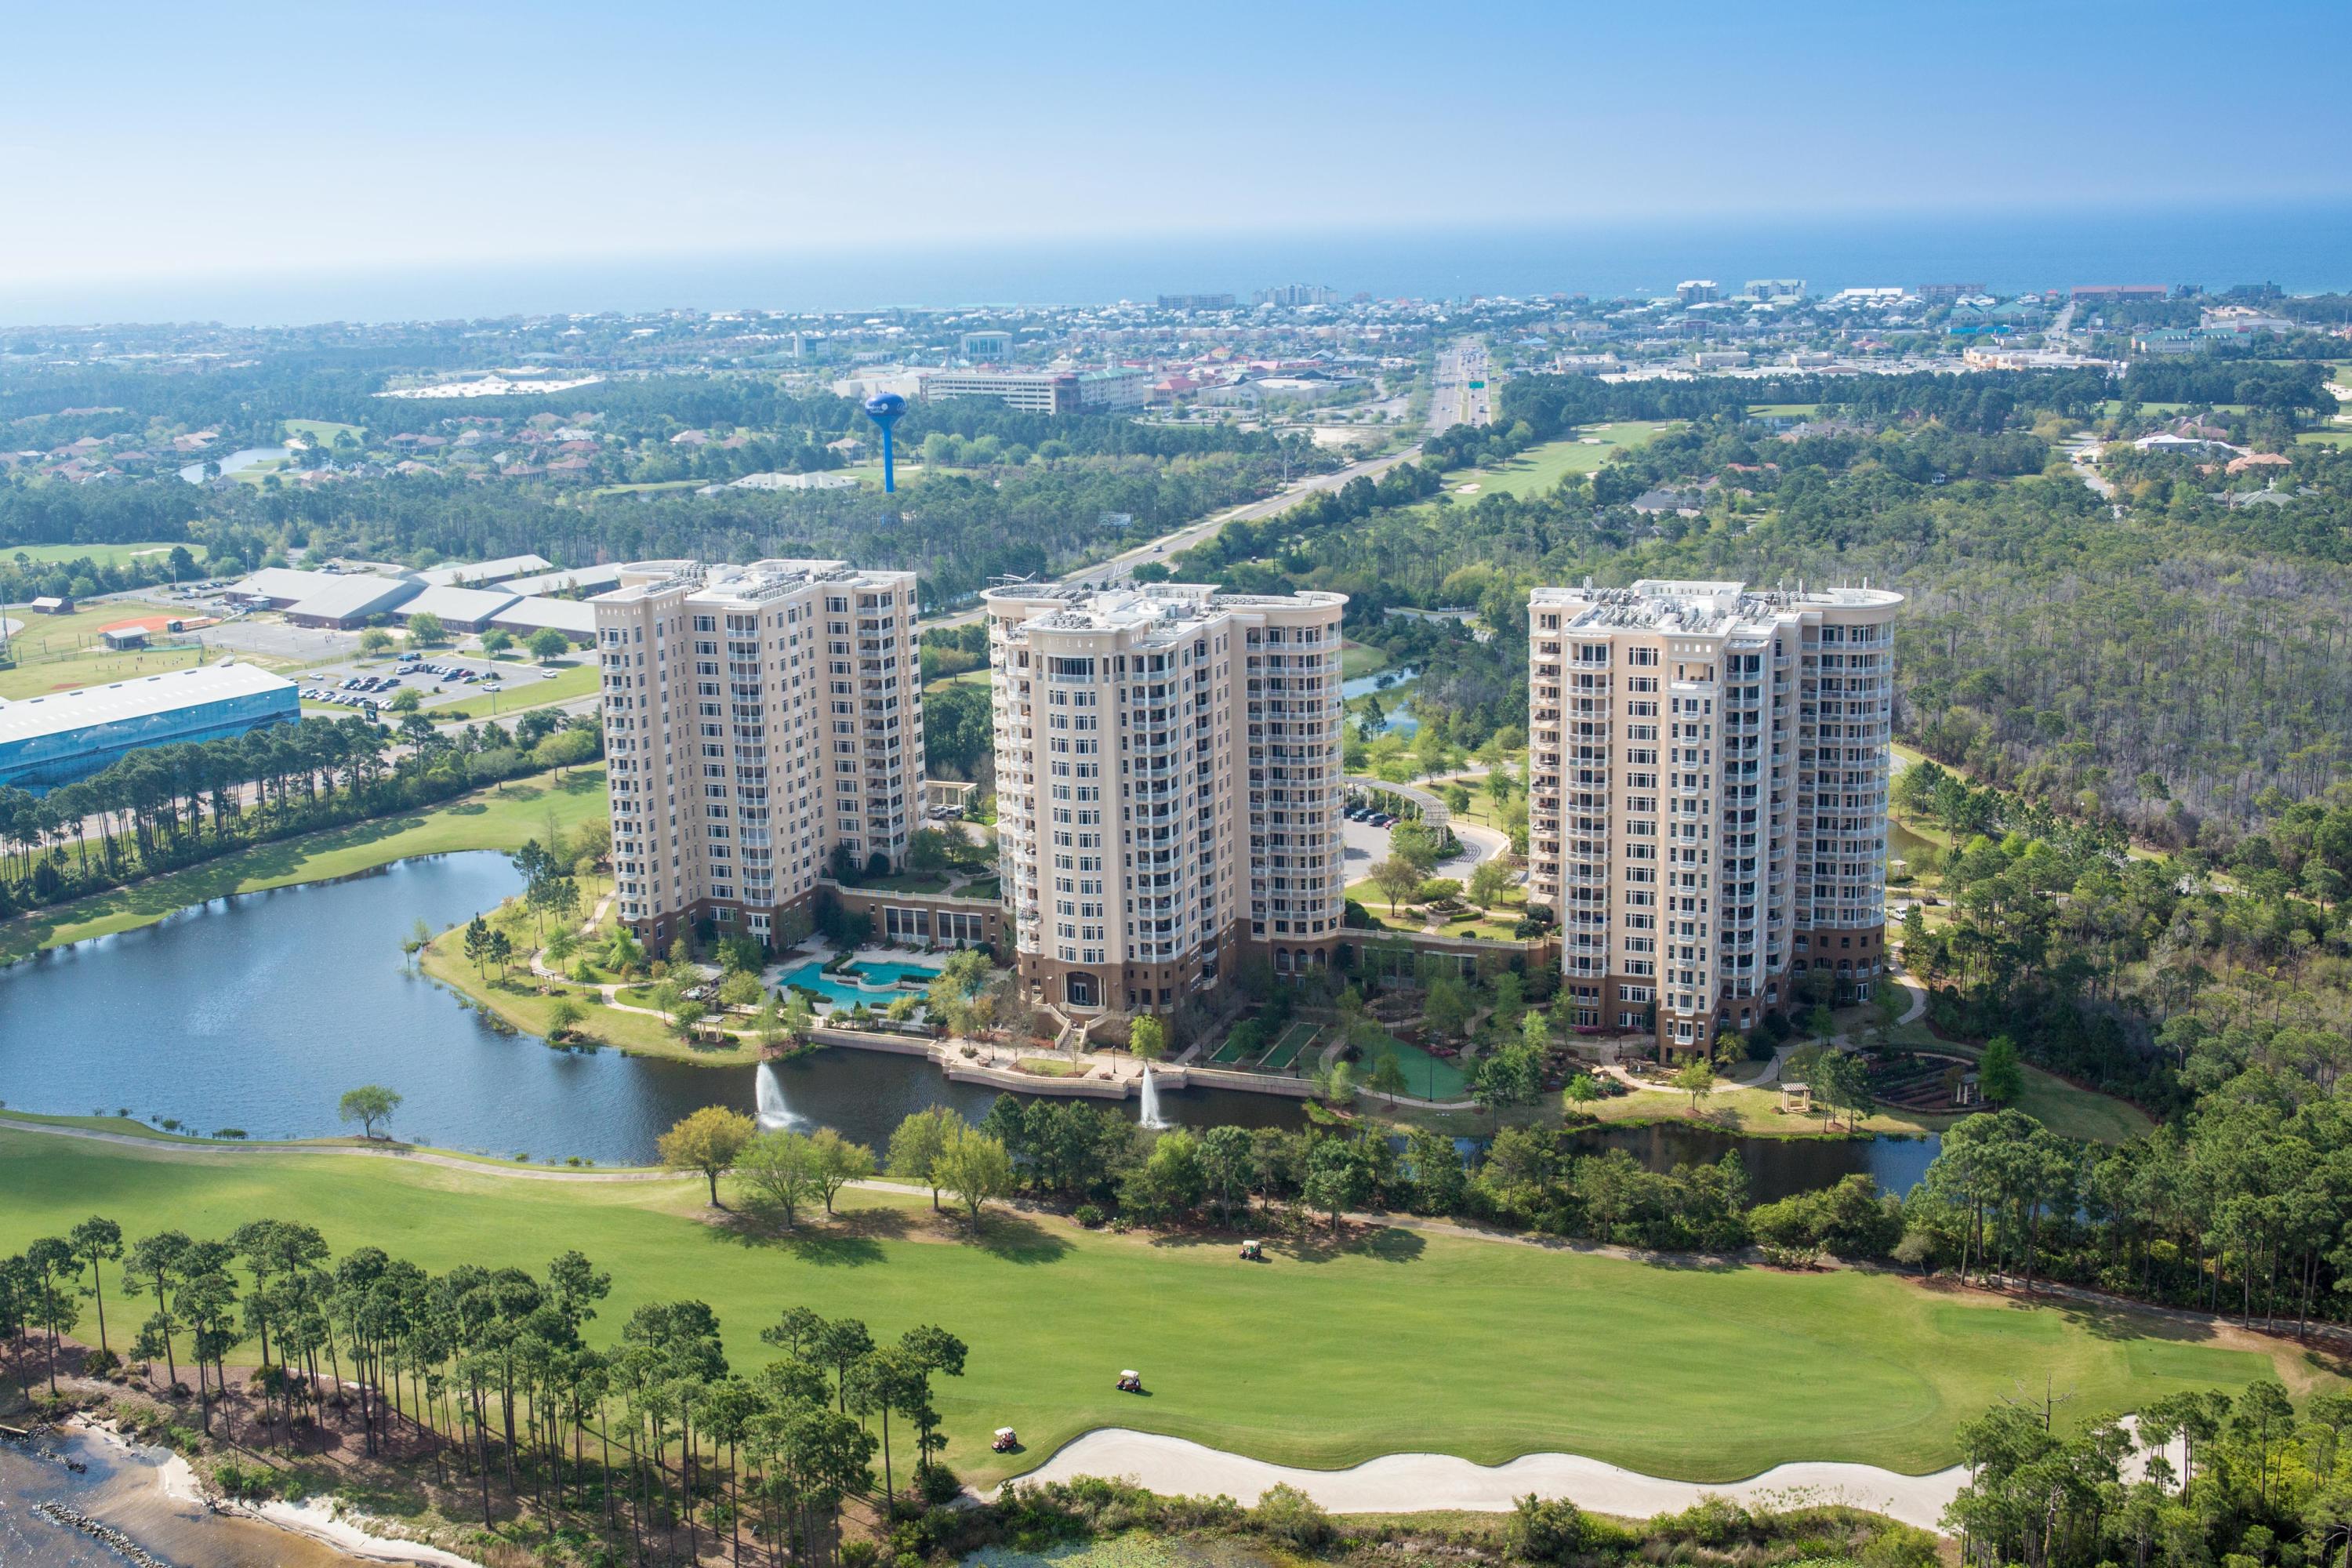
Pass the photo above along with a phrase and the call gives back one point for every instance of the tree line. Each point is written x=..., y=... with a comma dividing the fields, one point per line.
x=650, y=1438
x=161, y=809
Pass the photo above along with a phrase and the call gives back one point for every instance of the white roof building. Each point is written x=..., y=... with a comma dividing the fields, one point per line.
x=479, y=572
x=460, y=609
x=339, y=601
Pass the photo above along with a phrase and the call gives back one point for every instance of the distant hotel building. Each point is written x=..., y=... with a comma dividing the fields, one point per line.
x=990, y=347
x=1169, y=786
x=1043, y=391
x=1707, y=797
x=1196, y=301
x=756, y=719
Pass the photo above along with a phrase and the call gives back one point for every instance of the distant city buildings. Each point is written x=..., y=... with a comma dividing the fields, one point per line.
x=1292, y=295
x=759, y=721
x=986, y=348
x=1697, y=291
x=1769, y=291
x=1169, y=786
x=1706, y=799
x=1196, y=301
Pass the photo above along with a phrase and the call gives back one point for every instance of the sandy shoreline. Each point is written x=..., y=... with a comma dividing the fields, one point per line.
x=313, y=1517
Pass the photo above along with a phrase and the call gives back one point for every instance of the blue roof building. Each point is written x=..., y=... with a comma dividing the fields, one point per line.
x=64, y=736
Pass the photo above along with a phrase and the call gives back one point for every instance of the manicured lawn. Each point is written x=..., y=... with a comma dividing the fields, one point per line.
x=1709, y=1374
x=524, y=687
x=94, y=667
x=516, y=997
x=1538, y=468
x=323, y=432
x=484, y=820
x=1784, y=410
x=72, y=634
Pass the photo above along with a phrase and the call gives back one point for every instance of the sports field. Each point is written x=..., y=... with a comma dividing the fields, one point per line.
x=1295, y=1039
x=1327, y=1356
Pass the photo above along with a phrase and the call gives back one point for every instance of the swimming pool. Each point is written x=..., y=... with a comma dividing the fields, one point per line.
x=867, y=983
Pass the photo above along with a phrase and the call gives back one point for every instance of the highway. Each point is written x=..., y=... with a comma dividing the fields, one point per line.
x=1456, y=401
x=1103, y=573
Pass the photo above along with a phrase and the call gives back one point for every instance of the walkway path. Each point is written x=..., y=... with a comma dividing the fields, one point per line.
x=1416, y=1483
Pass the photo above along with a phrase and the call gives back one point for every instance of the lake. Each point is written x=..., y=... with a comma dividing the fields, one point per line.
x=1394, y=689
x=257, y=1012
x=237, y=462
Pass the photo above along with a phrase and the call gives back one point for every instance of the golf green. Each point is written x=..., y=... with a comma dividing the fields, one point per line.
x=1328, y=1356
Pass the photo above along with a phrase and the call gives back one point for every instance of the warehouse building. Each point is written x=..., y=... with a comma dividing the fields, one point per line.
x=459, y=609
x=478, y=573
x=54, y=739
x=575, y=618
x=348, y=602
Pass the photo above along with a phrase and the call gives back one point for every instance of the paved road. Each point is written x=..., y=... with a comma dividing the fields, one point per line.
x=1118, y=567
x=1456, y=401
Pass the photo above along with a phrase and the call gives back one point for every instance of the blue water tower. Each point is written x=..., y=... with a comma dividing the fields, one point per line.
x=885, y=409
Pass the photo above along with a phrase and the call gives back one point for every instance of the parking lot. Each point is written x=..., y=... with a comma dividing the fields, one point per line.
x=442, y=679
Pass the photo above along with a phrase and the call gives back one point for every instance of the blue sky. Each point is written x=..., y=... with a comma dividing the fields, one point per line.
x=154, y=140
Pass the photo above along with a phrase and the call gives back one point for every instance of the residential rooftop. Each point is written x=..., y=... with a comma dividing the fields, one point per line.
x=1657, y=603
x=1154, y=612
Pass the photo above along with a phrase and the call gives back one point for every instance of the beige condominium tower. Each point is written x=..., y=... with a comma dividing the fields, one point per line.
x=756, y=720
x=1707, y=802
x=1169, y=786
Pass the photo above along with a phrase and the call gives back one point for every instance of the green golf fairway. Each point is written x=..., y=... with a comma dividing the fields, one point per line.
x=1322, y=1357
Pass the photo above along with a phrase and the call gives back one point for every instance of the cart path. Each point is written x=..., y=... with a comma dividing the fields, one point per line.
x=1415, y=1483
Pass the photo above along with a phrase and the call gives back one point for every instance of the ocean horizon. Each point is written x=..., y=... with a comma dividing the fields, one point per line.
x=2303, y=248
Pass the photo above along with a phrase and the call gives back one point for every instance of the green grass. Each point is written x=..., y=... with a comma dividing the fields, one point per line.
x=2326, y=437
x=485, y=820
x=323, y=431
x=1538, y=468
x=94, y=667
x=1360, y=659
x=523, y=689
x=647, y=487
x=516, y=997
x=1784, y=410
x=102, y=554
x=1670, y=1369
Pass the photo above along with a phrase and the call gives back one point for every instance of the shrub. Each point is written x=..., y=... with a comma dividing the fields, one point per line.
x=100, y=1363
x=1089, y=1216
x=1548, y=1529
x=1289, y=1516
